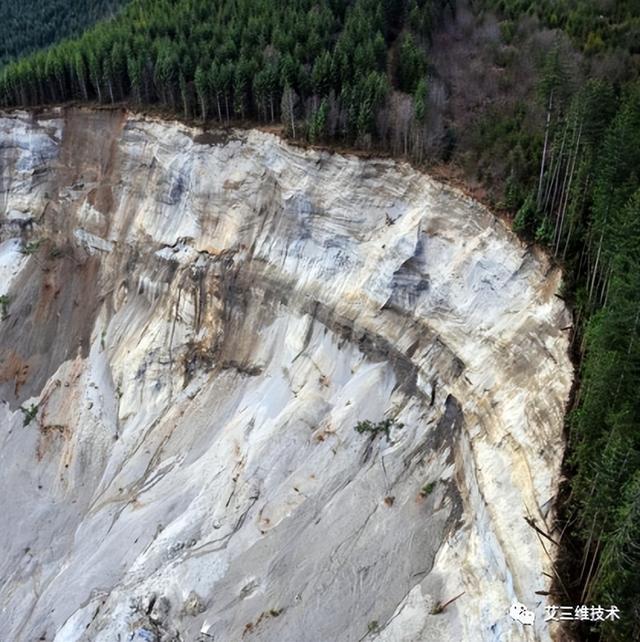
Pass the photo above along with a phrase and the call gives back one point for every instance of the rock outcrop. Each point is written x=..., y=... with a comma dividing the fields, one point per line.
x=194, y=324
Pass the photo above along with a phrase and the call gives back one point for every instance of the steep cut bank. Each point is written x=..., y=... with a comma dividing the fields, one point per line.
x=194, y=324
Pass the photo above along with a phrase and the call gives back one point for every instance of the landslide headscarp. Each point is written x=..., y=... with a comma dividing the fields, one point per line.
x=196, y=323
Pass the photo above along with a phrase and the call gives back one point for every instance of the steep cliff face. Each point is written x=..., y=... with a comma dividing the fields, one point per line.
x=195, y=322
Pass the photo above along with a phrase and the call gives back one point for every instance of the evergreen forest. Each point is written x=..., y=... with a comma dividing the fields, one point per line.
x=34, y=24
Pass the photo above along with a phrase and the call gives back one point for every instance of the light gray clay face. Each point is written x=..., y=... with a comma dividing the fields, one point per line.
x=195, y=324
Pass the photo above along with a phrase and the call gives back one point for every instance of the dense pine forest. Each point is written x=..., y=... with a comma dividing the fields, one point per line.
x=536, y=102
x=33, y=24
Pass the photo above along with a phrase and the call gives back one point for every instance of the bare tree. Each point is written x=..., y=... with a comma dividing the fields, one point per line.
x=288, y=108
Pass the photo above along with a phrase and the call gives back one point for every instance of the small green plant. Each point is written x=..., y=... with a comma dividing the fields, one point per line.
x=427, y=489
x=383, y=426
x=56, y=253
x=373, y=626
x=31, y=248
x=4, y=306
x=28, y=414
x=544, y=233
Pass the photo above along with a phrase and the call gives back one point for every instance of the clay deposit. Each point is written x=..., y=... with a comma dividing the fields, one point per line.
x=195, y=323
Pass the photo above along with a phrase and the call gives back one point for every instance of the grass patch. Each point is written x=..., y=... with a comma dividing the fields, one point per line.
x=31, y=248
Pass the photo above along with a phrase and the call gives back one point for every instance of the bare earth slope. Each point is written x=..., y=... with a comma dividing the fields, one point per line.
x=195, y=324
